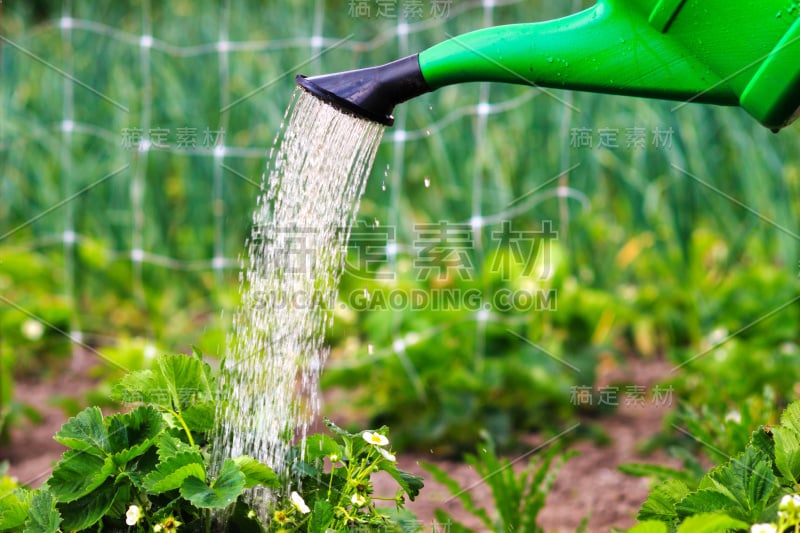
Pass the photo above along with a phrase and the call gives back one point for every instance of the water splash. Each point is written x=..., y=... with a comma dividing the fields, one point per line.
x=296, y=252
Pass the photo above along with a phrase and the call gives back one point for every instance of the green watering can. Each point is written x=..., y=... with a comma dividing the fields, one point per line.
x=725, y=52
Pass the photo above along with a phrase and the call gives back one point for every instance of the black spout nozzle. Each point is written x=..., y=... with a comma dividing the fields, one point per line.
x=370, y=93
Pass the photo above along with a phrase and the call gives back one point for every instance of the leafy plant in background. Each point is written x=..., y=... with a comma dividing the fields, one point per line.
x=465, y=369
x=149, y=469
x=756, y=489
x=517, y=497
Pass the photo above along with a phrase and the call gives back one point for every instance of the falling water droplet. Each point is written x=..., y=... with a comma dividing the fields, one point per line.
x=370, y=349
x=377, y=223
x=427, y=132
x=427, y=182
x=383, y=186
x=430, y=107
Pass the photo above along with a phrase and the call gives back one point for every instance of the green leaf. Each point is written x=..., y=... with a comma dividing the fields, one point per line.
x=790, y=418
x=321, y=445
x=762, y=441
x=321, y=516
x=748, y=478
x=14, y=506
x=787, y=452
x=186, y=379
x=132, y=434
x=711, y=523
x=174, y=382
x=200, y=416
x=650, y=526
x=85, y=432
x=78, y=474
x=410, y=483
x=705, y=501
x=222, y=492
x=661, y=502
x=256, y=473
x=170, y=474
x=87, y=511
x=44, y=517
x=169, y=446
x=339, y=431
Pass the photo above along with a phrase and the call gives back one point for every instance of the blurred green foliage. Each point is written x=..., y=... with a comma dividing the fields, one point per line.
x=663, y=248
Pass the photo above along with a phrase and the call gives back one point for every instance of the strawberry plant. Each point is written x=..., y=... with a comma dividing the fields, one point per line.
x=755, y=489
x=150, y=469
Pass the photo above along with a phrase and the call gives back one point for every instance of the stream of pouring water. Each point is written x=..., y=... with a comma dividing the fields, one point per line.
x=296, y=252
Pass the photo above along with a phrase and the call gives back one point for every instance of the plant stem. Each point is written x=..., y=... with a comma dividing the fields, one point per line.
x=183, y=424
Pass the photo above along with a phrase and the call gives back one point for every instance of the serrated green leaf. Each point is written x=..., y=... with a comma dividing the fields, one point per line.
x=762, y=441
x=711, y=523
x=410, y=483
x=140, y=386
x=14, y=506
x=170, y=474
x=787, y=452
x=174, y=382
x=748, y=478
x=321, y=516
x=790, y=417
x=199, y=417
x=661, y=502
x=256, y=473
x=169, y=446
x=85, y=432
x=78, y=474
x=87, y=511
x=122, y=500
x=44, y=517
x=132, y=434
x=650, y=526
x=222, y=492
x=705, y=501
x=186, y=379
x=321, y=445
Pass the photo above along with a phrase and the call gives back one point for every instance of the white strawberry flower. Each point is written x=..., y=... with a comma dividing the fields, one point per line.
x=387, y=455
x=299, y=503
x=375, y=438
x=359, y=500
x=133, y=515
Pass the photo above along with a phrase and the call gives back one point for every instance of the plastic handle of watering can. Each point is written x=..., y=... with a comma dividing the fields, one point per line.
x=603, y=49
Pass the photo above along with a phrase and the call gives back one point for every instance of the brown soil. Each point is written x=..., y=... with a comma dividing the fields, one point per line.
x=588, y=485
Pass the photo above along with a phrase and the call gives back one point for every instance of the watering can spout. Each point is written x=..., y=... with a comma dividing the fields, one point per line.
x=724, y=52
